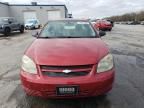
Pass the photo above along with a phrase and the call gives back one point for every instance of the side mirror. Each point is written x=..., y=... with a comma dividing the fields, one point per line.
x=102, y=33
x=35, y=34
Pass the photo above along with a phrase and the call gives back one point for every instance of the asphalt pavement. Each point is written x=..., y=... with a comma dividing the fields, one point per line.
x=126, y=43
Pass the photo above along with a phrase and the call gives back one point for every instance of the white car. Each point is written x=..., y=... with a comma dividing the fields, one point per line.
x=142, y=22
x=32, y=24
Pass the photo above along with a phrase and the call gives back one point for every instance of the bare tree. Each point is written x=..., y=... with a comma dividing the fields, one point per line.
x=134, y=16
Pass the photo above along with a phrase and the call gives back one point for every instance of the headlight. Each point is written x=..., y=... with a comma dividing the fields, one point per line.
x=105, y=64
x=28, y=65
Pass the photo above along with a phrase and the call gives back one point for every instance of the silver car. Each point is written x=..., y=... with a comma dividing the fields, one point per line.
x=9, y=24
x=32, y=24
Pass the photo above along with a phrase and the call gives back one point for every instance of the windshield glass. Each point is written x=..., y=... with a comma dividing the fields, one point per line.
x=71, y=29
x=32, y=21
x=3, y=20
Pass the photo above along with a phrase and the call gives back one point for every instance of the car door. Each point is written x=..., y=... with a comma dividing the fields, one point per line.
x=16, y=24
x=13, y=24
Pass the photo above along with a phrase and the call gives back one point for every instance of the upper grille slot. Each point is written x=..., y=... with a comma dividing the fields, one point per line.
x=65, y=67
x=57, y=71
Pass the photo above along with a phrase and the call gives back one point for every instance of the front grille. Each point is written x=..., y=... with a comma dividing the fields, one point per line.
x=57, y=71
x=65, y=67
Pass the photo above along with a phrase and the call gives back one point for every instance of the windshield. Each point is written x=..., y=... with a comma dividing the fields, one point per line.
x=32, y=21
x=71, y=29
x=3, y=20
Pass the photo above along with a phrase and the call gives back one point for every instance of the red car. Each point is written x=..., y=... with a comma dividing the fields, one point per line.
x=67, y=60
x=103, y=25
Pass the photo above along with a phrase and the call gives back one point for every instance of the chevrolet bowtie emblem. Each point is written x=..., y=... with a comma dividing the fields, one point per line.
x=66, y=71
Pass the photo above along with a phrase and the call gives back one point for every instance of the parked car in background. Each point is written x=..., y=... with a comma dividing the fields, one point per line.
x=142, y=23
x=117, y=22
x=32, y=24
x=128, y=22
x=67, y=60
x=103, y=25
x=9, y=24
x=93, y=21
x=133, y=22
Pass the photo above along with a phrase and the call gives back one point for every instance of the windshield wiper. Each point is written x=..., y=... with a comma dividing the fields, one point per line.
x=59, y=37
x=76, y=37
x=45, y=37
x=66, y=37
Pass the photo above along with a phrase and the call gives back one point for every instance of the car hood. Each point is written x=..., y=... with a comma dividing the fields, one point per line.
x=74, y=51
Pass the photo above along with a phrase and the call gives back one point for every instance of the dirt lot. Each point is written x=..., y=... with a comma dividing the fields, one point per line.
x=126, y=44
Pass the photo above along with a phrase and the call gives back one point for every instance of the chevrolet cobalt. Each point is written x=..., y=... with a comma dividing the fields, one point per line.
x=68, y=59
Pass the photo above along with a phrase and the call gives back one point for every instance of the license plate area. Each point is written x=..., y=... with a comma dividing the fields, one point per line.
x=67, y=90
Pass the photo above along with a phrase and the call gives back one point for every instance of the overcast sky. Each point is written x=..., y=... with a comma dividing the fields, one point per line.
x=92, y=8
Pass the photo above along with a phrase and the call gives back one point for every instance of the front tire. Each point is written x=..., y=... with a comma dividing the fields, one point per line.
x=22, y=29
x=109, y=29
x=7, y=31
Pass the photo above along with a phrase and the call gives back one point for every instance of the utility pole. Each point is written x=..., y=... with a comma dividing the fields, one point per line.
x=69, y=8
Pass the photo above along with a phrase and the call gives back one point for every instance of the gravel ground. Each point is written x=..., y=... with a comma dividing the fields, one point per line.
x=126, y=42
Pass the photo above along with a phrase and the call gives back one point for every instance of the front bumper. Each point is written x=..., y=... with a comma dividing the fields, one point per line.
x=91, y=85
x=29, y=27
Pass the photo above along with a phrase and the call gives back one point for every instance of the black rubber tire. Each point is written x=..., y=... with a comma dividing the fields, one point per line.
x=109, y=29
x=22, y=29
x=39, y=27
x=33, y=28
x=7, y=31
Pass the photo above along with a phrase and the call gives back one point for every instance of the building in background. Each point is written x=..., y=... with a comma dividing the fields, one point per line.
x=33, y=11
